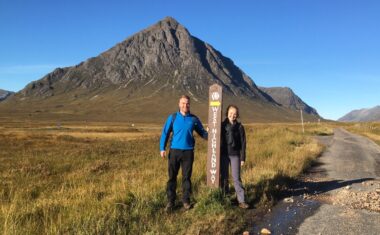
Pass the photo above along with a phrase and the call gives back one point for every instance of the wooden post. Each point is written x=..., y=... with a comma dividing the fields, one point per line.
x=303, y=129
x=214, y=125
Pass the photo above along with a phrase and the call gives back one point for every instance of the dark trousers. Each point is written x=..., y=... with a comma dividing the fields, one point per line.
x=180, y=158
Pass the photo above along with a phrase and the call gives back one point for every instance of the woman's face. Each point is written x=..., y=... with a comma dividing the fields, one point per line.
x=232, y=114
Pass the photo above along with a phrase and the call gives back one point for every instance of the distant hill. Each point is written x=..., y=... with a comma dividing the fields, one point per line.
x=141, y=78
x=362, y=115
x=5, y=94
x=287, y=98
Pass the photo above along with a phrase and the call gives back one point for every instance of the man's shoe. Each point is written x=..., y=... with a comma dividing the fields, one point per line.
x=169, y=207
x=243, y=205
x=186, y=205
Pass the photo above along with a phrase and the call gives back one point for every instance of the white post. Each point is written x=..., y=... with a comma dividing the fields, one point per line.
x=303, y=129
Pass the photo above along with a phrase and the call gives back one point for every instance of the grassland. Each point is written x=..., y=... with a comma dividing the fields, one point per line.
x=368, y=129
x=108, y=178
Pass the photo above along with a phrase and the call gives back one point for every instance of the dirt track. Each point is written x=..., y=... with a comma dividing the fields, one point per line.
x=339, y=195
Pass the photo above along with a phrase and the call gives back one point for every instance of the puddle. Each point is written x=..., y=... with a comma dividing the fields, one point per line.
x=285, y=218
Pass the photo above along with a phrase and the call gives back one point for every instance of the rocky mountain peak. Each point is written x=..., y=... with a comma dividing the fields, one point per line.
x=169, y=22
x=164, y=57
x=287, y=98
x=143, y=76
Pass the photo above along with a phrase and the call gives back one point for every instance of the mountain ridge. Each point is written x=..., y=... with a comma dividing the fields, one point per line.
x=286, y=97
x=189, y=53
x=4, y=94
x=362, y=115
x=141, y=76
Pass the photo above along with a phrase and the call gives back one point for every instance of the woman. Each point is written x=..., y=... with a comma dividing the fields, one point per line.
x=233, y=145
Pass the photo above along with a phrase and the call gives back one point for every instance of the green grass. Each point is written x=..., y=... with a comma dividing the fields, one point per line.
x=54, y=182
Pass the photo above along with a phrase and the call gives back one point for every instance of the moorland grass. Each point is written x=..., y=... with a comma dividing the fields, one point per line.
x=368, y=129
x=53, y=181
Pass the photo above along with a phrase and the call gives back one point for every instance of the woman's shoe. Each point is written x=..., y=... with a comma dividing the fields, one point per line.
x=186, y=205
x=243, y=205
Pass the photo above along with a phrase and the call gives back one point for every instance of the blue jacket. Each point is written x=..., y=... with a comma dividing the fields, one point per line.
x=183, y=127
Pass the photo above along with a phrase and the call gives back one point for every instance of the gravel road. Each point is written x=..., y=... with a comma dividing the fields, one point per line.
x=339, y=195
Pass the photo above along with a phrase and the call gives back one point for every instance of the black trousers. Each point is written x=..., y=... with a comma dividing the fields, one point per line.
x=180, y=158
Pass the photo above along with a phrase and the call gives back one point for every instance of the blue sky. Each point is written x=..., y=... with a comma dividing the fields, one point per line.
x=327, y=51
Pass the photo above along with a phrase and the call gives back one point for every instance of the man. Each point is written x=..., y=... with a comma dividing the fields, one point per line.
x=181, y=124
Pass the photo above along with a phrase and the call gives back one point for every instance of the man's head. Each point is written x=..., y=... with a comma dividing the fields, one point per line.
x=184, y=104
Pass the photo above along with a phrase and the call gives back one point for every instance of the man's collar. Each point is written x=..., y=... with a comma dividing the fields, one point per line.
x=186, y=114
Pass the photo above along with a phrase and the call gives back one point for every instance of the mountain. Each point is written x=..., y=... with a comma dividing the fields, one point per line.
x=362, y=115
x=5, y=94
x=141, y=78
x=287, y=98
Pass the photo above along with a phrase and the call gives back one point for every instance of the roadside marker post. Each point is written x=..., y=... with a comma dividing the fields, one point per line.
x=303, y=129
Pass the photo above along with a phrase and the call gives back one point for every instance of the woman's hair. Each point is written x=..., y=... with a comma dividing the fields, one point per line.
x=235, y=107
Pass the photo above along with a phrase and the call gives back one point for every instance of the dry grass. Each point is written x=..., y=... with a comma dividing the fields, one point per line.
x=368, y=129
x=109, y=178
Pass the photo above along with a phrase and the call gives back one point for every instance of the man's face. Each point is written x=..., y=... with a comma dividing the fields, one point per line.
x=184, y=105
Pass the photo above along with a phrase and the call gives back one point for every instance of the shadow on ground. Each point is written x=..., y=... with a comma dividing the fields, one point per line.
x=300, y=187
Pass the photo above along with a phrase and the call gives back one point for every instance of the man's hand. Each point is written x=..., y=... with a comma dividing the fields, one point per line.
x=242, y=163
x=163, y=154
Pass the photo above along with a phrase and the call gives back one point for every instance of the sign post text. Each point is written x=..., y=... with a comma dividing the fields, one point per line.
x=214, y=125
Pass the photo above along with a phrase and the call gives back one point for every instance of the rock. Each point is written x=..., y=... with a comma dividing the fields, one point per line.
x=348, y=187
x=289, y=200
x=265, y=231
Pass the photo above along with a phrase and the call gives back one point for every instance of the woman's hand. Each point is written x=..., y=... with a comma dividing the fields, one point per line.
x=242, y=163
